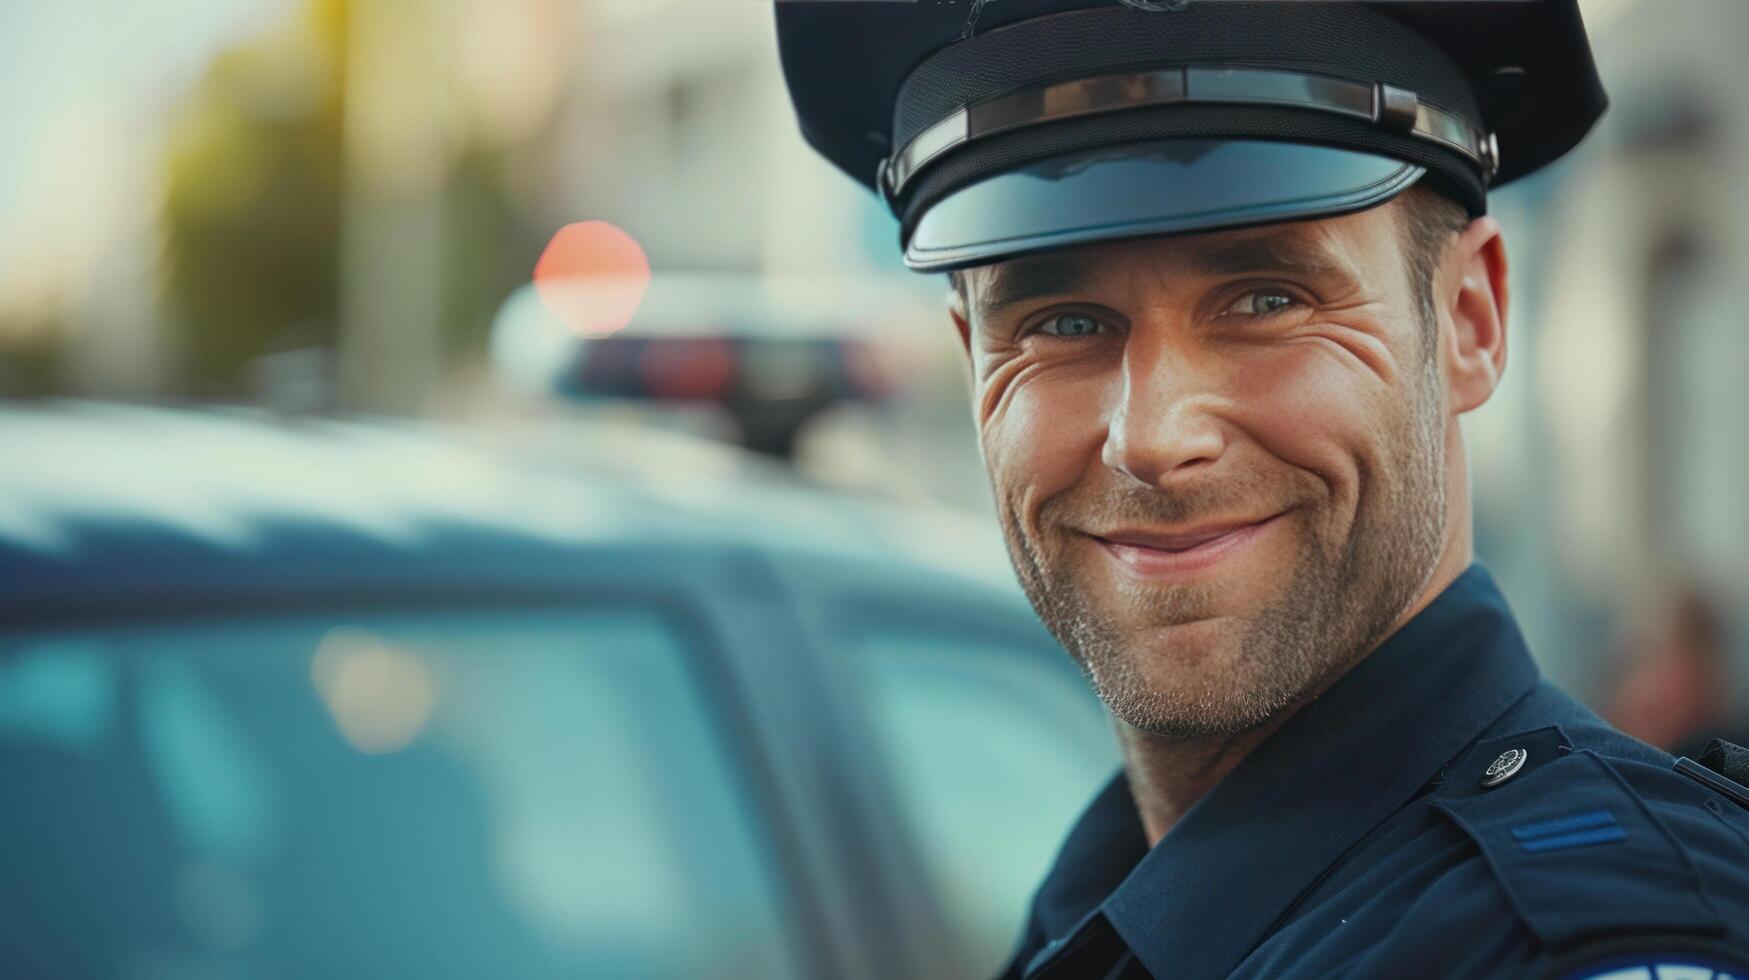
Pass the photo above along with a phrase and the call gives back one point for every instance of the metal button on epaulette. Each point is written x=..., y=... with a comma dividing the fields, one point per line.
x=1504, y=767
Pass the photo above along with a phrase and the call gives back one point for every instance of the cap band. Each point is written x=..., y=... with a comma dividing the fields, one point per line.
x=1390, y=107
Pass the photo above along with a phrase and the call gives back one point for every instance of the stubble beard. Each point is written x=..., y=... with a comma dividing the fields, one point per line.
x=1342, y=597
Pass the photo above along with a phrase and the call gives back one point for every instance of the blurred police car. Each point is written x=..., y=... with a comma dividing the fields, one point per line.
x=304, y=698
x=769, y=353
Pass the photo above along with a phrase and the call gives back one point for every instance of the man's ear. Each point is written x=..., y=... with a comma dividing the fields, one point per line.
x=1472, y=291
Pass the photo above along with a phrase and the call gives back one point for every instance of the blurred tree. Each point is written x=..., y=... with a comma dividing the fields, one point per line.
x=281, y=236
x=492, y=247
x=252, y=204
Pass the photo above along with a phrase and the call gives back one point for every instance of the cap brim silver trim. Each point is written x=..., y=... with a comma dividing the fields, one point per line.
x=1383, y=105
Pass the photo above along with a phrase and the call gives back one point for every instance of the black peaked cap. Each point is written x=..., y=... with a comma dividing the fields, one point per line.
x=870, y=77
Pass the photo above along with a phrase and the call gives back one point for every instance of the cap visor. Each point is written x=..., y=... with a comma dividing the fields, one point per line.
x=1152, y=188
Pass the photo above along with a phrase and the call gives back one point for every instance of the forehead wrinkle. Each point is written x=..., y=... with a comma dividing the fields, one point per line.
x=1312, y=249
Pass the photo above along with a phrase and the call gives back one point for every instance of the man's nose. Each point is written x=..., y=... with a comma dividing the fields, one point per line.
x=1165, y=421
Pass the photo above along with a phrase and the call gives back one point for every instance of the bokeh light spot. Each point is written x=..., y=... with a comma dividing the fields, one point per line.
x=380, y=696
x=592, y=277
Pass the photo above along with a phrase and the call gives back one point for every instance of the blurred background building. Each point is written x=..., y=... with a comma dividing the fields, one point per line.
x=335, y=207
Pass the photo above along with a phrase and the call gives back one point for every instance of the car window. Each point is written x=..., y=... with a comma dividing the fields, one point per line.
x=994, y=745
x=497, y=793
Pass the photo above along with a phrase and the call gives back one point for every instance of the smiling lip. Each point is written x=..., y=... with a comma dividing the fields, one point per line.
x=1166, y=555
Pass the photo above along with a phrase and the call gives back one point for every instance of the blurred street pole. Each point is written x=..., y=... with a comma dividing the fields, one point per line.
x=392, y=230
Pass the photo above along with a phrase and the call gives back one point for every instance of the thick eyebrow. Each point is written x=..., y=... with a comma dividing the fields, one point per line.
x=1031, y=277
x=1266, y=253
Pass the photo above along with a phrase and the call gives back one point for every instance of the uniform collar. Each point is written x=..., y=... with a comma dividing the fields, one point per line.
x=1238, y=860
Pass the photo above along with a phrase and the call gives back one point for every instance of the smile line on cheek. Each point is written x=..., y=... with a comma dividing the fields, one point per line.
x=1364, y=344
x=995, y=392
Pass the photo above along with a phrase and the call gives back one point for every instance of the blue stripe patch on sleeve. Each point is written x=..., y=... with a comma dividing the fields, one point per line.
x=1560, y=842
x=1578, y=830
x=1578, y=821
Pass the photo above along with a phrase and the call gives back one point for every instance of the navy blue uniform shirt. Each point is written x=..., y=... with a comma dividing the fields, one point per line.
x=1360, y=841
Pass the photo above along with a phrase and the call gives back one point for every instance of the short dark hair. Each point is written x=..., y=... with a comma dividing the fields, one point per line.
x=957, y=280
x=1429, y=220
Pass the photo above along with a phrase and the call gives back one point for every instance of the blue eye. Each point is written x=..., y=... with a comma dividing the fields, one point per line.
x=1069, y=325
x=1262, y=302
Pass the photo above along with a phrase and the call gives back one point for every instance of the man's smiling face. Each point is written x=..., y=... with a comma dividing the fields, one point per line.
x=1219, y=459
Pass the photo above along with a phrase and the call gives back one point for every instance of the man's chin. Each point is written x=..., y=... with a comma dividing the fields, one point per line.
x=1182, y=714
x=1193, y=679
x=1192, y=656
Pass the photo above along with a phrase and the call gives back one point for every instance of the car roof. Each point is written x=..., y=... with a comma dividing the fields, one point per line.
x=101, y=500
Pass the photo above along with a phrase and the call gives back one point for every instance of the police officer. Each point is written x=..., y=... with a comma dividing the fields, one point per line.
x=1225, y=281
